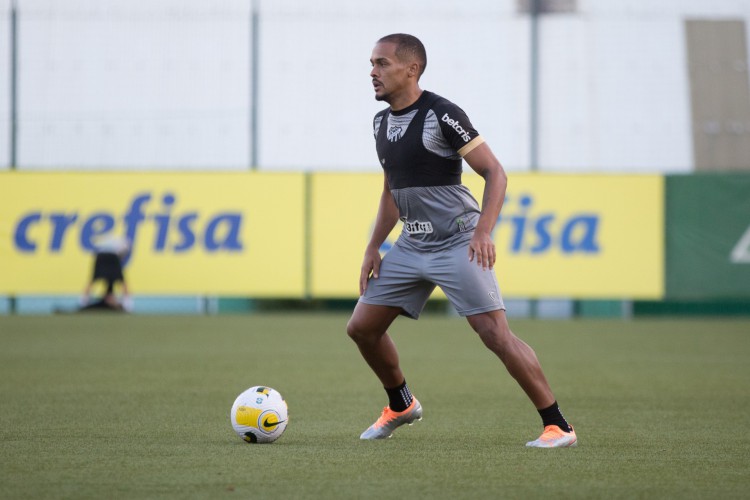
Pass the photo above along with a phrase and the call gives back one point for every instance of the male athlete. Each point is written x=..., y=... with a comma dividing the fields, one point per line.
x=446, y=239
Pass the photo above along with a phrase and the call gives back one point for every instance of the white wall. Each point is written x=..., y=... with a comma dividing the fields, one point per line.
x=4, y=85
x=117, y=84
x=315, y=67
x=615, y=94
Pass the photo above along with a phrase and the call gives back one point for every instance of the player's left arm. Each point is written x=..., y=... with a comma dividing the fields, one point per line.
x=483, y=161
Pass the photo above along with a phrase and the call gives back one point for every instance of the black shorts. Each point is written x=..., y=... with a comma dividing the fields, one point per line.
x=107, y=266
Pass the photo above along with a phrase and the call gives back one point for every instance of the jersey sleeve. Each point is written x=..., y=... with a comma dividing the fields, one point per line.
x=456, y=127
x=377, y=121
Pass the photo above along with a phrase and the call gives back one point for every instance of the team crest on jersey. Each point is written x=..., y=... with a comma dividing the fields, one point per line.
x=395, y=133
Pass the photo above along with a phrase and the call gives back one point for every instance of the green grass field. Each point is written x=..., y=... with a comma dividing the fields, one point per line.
x=138, y=407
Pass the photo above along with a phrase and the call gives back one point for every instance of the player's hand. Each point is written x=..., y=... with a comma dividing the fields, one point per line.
x=370, y=264
x=482, y=248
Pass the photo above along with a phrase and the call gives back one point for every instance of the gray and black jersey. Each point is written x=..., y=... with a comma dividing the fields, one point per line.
x=420, y=149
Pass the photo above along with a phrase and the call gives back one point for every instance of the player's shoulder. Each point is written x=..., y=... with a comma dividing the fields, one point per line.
x=454, y=124
x=377, y=120
x=441, y=105
x=380, y=114
x=438, y=100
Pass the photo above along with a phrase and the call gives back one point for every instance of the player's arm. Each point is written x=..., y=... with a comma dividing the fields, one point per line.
x=460, y=134
x=385, y=221
x=484, y=163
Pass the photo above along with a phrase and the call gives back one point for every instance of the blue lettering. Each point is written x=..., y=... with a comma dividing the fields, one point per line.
x=519, y=224
x=60, y=222
x=231, y=238
x=542, y=231
x=162, y=223
x=98, y=225
x=134, y=217
x=172, y=230
x=187, y=233
x=584, y=228
x=578, y=234
x=22, y=237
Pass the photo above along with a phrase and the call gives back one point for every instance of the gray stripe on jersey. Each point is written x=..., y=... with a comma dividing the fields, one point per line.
x=376, y=124
x=432, y=137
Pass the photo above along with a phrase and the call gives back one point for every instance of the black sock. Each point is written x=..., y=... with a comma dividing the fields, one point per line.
x=399, y=398
x=553, y=416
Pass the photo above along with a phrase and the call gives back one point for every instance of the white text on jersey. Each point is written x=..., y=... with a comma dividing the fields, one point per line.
x=416, y=227
x=457, y=127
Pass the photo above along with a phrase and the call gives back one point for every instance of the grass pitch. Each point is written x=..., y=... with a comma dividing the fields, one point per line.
x=105, y=406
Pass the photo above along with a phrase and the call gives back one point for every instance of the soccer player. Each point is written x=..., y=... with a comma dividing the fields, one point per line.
x=421, y=139
x=108, y=267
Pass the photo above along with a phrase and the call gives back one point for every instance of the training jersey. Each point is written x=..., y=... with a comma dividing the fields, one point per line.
x=420, y=149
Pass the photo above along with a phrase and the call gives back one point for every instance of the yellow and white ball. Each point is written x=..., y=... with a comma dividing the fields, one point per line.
x=259, y=415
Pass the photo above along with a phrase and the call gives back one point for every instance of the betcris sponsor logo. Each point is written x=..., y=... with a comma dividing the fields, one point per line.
x=457, y=127
x=533, y=232
x=173, y=231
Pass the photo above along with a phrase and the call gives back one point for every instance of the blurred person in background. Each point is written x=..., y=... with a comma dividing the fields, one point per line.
x=110, y=255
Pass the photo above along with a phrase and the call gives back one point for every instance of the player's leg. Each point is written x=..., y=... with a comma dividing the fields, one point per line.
x=521, y=362
x=368, y=328
x=519, y=359
x=86, y=295
x=475, y=294
x=399, y=289
x=99, y=272
x=127, y=300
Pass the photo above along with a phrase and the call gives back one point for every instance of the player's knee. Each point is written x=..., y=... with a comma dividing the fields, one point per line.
x=354, y=330
x=362, y=332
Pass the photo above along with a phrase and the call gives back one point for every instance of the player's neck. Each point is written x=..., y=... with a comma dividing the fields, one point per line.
x=405, y=99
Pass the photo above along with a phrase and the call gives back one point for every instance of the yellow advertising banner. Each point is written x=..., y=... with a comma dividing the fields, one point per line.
x=580, y=236
x=343, y=209
x=204, y=233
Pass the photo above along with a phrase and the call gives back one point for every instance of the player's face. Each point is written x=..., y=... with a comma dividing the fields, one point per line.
x=389, y=74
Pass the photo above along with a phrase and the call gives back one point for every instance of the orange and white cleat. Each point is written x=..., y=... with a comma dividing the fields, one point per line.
x=389, y=420
x=554, y=437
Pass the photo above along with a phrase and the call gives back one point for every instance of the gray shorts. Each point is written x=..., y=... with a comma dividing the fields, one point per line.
x=407, y=278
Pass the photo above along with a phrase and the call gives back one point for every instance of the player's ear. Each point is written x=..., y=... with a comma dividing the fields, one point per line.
x=414, y=69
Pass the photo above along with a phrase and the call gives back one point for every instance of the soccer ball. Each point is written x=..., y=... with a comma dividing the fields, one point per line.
x=259, y=415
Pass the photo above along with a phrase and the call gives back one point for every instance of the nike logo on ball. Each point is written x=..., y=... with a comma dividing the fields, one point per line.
x=268, y=424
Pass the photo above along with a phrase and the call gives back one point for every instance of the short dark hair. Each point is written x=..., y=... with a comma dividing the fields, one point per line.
x=408, y=47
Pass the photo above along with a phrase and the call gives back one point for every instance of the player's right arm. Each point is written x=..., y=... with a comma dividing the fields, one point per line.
x=385, y=221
